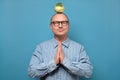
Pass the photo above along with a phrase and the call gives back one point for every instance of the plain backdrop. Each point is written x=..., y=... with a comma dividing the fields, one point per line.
x=93, y=23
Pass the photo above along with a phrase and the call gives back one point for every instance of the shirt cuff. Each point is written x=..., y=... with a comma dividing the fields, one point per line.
x=52, y=66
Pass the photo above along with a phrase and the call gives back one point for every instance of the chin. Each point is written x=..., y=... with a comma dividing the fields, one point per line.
x=60, y=35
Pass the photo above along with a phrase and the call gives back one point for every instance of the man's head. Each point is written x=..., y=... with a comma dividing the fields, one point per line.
x=59, y=24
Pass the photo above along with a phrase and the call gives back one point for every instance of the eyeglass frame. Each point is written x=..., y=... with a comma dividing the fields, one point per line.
x=60, y=22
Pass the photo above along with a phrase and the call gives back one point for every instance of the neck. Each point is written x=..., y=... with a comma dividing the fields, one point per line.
x=60, y=38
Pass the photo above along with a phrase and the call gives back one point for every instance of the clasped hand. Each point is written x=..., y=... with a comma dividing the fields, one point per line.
x=59, y=56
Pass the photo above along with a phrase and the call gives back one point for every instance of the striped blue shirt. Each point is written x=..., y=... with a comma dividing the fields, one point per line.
x=76, y=63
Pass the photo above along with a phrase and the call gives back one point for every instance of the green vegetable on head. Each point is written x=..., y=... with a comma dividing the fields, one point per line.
x=59, y=8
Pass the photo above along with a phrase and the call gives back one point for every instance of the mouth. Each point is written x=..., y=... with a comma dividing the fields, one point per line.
x=60, y=30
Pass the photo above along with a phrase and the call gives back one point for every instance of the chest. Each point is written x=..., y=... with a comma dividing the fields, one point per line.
x=71, y=53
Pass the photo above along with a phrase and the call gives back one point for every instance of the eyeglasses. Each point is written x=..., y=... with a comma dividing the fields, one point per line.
x=57, y=23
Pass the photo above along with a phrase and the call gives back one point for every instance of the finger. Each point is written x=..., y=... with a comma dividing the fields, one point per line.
x=60, y=46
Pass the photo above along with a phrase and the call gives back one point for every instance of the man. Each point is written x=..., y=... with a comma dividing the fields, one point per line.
x=60, y=58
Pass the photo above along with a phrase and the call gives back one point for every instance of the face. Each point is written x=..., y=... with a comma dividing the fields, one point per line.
x=59, y=25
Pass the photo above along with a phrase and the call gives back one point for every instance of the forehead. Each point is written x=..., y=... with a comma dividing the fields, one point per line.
x=59, y=17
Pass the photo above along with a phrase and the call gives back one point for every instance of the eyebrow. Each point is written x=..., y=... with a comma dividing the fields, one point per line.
x=60, y=21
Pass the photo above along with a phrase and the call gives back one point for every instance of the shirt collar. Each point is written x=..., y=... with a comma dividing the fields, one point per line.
x=64, y=43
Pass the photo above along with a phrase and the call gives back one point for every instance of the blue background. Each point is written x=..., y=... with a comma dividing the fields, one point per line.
x=25, y=23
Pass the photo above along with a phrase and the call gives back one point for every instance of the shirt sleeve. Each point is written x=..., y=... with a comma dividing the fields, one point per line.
x=38, y=68
x=82, y=67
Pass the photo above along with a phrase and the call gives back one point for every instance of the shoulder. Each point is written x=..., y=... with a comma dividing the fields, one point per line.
x=74, y=43
x=46, y=43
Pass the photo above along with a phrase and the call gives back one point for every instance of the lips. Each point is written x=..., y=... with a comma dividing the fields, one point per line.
x=60, y=30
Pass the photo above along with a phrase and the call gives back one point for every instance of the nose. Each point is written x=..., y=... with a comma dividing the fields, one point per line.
x=60, y=25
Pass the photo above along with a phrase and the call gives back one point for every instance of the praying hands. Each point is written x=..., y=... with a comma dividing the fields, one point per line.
x=59, y=56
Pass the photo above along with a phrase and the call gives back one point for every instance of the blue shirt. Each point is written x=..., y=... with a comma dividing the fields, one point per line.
x=75, y=64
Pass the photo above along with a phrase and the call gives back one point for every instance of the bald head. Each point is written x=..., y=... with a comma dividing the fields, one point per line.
x=59, y=15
